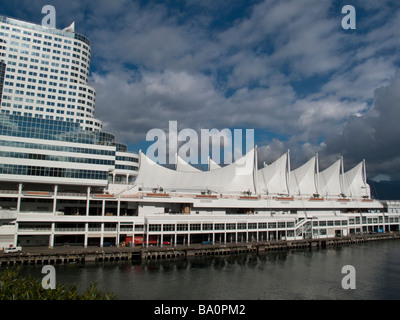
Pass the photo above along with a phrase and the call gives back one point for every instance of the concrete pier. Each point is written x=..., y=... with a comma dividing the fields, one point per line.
x=68, y=255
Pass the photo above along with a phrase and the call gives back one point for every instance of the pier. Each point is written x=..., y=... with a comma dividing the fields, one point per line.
x=73, y=255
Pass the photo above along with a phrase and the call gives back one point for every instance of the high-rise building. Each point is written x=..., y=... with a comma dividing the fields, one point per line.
x=51, y=144
x=46, y=74
x=48, y=131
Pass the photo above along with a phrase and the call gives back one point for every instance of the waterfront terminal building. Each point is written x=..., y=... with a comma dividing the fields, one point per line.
x=64, y=181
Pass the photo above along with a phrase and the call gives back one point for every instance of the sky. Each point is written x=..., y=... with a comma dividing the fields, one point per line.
x=286, y=69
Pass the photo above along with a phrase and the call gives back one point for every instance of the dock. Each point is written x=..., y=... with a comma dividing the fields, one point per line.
x=73, y=255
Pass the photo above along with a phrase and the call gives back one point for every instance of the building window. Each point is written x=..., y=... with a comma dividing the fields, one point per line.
x=168, y=227
x=195, y=227
x=262, y=225
x=290, y=224
x=230, y=226
x=219, y=226
x=154, y=227
x=182, y=227
x=139, y=227
x=281, y=225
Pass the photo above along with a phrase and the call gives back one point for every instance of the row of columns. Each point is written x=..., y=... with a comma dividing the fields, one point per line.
x=227, y=236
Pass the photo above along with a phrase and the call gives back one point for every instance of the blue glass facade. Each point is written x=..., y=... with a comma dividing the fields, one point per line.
x=57, y=158
x=98, y=155
x=46, y=129
x=2, y=73
x=22, y=170
x=56, y=147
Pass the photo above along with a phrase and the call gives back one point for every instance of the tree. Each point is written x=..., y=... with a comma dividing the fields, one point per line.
x=13, y=286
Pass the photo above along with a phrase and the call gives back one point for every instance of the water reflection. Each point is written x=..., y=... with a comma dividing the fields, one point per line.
x=308, y=274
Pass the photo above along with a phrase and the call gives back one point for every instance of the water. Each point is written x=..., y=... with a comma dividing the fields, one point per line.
x=309, y=274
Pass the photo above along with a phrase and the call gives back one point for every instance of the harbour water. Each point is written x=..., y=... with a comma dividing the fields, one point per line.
x=301, y=274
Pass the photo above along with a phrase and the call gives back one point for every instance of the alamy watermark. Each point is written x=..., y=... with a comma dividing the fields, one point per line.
x=349, y=20
x=49, y=280
x=349, y=280
x=49, y=20
x=195, y=149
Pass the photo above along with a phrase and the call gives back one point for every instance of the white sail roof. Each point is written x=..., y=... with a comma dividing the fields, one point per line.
x=329, y=180
x=272, y=179
x=243, y=176
x=354, y=183
x=302, y=180
x=234, y=178
x=182, y=165
x=212, y=165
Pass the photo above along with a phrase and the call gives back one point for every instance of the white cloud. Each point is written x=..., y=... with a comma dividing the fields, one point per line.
x=155, y=62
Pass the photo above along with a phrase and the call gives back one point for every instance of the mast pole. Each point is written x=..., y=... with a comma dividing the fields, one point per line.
x=288, y=172
x=317, y=173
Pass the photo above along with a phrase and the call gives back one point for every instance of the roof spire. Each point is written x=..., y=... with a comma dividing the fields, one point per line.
x=71, y=28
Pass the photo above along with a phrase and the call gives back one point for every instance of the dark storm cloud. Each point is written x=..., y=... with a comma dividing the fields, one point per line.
x=375, y=135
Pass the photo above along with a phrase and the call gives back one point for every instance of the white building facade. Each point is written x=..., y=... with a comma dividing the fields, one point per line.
x=145, y=213
x=47, y=73
x=50, y=140
x=65, y=181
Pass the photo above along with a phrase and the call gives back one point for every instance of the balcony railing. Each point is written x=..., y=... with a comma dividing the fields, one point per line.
x=69, y=229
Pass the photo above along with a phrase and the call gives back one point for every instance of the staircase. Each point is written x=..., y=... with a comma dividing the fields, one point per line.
x=304, y=229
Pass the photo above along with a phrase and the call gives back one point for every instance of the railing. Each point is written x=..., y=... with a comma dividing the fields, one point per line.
x=126, y=229
x=9, y=191
x=94, y=229
x=8, y=210
x=303, y=228
x=69, y=229
x=34, y=229
x=72, y=194
x=128, y=187
x=36, y=212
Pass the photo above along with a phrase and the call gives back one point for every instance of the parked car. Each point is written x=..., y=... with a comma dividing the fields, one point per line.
x=167, y=243
x=12, y=250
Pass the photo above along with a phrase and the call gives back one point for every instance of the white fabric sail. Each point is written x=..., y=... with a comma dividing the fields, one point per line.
x=302, y=180
x=234, y=178
x=212, y=165
x=183, y=166
x=242, y=176
x=272, y=178
x=329, y=181
x=354, y=183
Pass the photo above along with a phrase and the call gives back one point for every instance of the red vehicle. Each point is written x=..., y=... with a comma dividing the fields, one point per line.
x=138, y=241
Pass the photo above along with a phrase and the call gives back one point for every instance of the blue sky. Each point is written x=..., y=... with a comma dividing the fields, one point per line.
x=284, y=68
